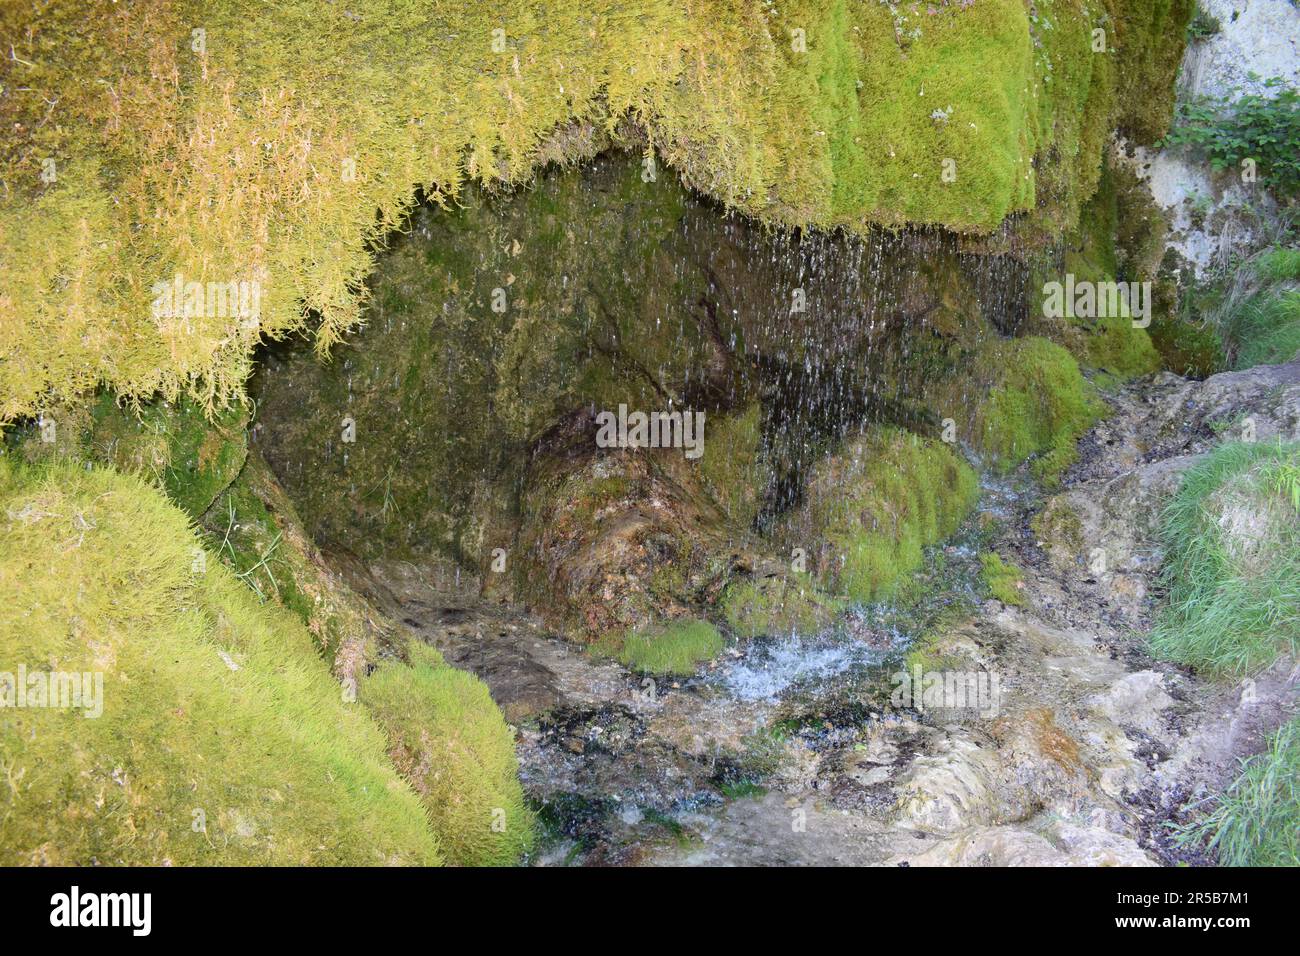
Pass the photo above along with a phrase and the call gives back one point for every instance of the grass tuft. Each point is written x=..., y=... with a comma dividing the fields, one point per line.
x=1233, y=561
x=1256, y=822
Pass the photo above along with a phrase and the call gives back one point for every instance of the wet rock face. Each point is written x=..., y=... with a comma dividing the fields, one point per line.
x=609, y=543
x=458, y=425
x=489, y=324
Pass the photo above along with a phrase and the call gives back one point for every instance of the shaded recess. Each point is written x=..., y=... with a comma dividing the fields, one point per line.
x=459, y=426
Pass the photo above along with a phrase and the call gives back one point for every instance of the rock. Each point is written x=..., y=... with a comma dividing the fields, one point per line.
x=1138, y=700
x=1064, y=845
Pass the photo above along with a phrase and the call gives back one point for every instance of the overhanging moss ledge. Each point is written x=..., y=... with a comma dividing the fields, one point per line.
x=186, y=138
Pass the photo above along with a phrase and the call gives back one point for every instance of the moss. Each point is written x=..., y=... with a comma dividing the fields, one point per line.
x=1039, y=407
x=677, y=648
x=1152, y=37
x=1059, y=528
x=778, y=605
x=448, y=739
x=597, y=314
x=254, y=529
x=174, y=445
x=873, y=507
x=1120, y=350
x=733, y=465
x=1004, y=580
x=223, y=739
x=1187, y=347
x=251, y=157
x=1119, y=237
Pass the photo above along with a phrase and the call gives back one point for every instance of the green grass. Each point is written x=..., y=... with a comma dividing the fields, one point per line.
x=1255, y=309
x=1002, y=577
x=1232, y=568
x=223, y=739
x=873, y=507
x=1267, y=329
x=448, y=739
x=676, y=649
x=1256, y=822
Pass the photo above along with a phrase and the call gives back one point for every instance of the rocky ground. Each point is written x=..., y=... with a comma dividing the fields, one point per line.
x=789, y=750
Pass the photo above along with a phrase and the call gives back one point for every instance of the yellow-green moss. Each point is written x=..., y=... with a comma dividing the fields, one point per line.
x=1004, y=580
x=223, y=739
x=783, y=604
x=874, y=506
x=449, y=740
x=676, y=648
x=1119, y=238
x=1039, y=407
x=280, y=156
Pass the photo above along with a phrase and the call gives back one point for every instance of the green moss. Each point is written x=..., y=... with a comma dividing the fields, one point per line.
x=173, y=445
x=1187, y=347
x=223, y=740
x=1004, y=580
x=1232, y=566
x=873, y=507
x=448, y=739
x=176, y=160
x=1119, y=349
x=779, y=605
x=676, y=648
x=733, y=466
x=1119, y=237
x=1152, y=37
x=1039, y=407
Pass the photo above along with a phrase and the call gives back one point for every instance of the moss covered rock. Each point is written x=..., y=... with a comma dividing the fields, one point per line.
x=447, y=738
x=621, y=540
x=222, y=737
x=1038, y=407
x=488, y=326
x=778, y=604
x=871, y=509
x=227, y=158
x=254, y=529
x=676, y=648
